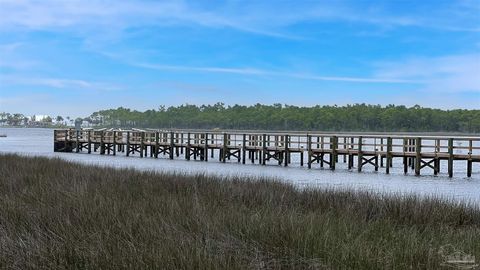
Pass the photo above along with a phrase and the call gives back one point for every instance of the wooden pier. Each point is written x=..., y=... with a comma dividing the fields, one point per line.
x=357, y=150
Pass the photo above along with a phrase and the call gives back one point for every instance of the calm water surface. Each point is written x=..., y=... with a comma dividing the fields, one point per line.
x=39, y=142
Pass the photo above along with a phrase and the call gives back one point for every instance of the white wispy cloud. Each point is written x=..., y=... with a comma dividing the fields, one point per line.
x=263, y=72
x=59, y=83
x=452, y=73
x=9, y=47
x=94, y=15
x=260, y=17
x=242, y=71
x=9, y=60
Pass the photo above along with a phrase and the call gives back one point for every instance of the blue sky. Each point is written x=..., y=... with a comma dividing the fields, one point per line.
x=73, y=57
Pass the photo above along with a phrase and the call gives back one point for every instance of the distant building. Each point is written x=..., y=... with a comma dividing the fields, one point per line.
x=39, y=117
x=38, y=120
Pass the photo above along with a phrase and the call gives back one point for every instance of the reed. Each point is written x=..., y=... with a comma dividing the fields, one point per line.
x=57, y=214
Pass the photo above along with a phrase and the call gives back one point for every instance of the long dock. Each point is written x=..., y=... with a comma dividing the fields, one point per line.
x=313, y=149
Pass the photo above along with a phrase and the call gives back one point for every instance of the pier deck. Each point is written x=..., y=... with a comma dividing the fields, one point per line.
x=357, y=150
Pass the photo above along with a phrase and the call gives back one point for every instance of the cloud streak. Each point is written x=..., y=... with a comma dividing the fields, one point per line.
x=59, y=83
x=453, y=73
x=261, y=72
x=256, y=17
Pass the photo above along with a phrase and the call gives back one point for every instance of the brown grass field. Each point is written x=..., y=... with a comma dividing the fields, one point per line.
x=60, y=215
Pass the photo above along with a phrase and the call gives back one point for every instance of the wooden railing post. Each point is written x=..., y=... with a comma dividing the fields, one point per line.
x=244, y=148
x=351, y=155
x=333, y=156
x=181, y=142
x=286, y=152
x=360, y=154
x=264, y=147
x=405, y=151
x=128, y=143
x=102, y=142
x=187, y=148
x=418, y=155
x=157, y=137
x=89, y=139
x=450, y=157
x=114, y=143
x=77, y=149
x=381, y=150
x=55, y=141
x=142, y=143
x=205, y=152
x=172, y=145
x=225, y=149
x=388, y=156
x=309, y=150
x=469, y=160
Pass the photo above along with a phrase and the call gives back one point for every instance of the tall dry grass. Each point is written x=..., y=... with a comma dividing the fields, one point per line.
x=55, y=214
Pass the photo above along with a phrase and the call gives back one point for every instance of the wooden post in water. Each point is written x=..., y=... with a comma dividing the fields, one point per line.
x=414, y=145
x=128, y=143
x=350, y=155
x=228, y=143
x=388, y=156
x=469, y=167
x=309, y=150
x=205, y=152
x=436, y=164
x=469, y=160
x=258, y=152
x=77, y=149
x=172, y=145
x=286, y=152
x=55, y=143
x=187, y=148
x=89, y=142
x=450, y=157
x=181, y=141
x=142, y=145
x=405, y=159
x=301, y=158
x=225, y=149
x=264, y=147
x=345, y=147
x=409, y=150
x=322, y=154
x=360, y=154
x=333, y=155
x=244, y=147
x=114, y=143
x=157, y=137
x=102, y=144
x=177, y=145
x=220, y=151
x=418, y=155
x=381, y=150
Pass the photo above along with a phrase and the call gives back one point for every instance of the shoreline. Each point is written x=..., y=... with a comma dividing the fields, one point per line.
x=287, y=181
x=425, y=133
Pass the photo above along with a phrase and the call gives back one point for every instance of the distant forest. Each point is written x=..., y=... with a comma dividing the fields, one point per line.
x=358, y=117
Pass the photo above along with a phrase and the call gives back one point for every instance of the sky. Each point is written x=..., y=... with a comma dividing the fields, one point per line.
x=74, y=57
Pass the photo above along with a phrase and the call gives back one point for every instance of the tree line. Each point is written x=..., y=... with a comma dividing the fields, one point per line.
x=357, y=117
x=18, y=119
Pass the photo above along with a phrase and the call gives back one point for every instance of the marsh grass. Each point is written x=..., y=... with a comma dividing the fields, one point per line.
x=56, y=214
